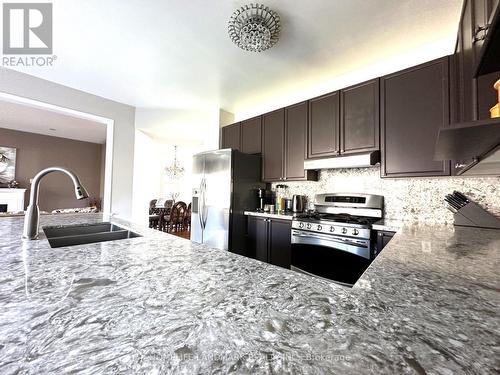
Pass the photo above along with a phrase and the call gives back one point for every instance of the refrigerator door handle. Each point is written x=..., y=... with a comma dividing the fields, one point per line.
x=201, y=204
x=205, y=213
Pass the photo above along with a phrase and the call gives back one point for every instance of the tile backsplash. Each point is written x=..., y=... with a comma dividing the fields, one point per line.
x=419, y=199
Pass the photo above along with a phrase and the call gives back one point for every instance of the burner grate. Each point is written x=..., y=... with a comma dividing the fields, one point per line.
x=340, y=218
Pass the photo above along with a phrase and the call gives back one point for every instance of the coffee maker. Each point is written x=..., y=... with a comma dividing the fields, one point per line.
x=264, y=196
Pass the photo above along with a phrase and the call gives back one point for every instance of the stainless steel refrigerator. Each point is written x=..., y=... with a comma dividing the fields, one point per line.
x=224, y=183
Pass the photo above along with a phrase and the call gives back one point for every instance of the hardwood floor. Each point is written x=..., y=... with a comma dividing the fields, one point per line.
x=184, y=234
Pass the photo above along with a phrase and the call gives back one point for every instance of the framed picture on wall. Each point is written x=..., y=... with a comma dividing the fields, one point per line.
x=7, y=164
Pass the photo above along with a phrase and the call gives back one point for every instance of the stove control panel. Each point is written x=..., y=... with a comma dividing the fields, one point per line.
x=330, y=228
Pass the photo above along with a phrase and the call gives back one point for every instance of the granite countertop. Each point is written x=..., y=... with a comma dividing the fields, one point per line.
x=282, y=216
x=161, y=304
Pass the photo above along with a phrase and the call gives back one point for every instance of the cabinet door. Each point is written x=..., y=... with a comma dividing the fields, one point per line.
x=258, y=238
x=414, y=105
x=491, y=7
x=251, y=136
x=383, y=238
x=273, y=151
x=324, y=116
x=231, y=136
x=466, y=65
x=280, y=243
x=295, y=141
x=479, y=8
x=359, y=118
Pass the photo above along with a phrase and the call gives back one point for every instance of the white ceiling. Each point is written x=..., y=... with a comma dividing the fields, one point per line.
x=41, y=121
x=177, y=54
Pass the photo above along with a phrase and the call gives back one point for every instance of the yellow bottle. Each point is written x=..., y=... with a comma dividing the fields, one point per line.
x=495, y=110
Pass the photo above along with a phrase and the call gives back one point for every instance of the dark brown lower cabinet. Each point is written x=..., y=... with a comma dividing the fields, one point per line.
x=414, y=105
x=269, y=240
x=383, y=238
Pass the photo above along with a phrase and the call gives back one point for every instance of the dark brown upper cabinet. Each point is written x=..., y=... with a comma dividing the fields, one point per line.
x=251, y=135
x=485, y=35
x=467, y=85
x=479, y=21
x=296, y=143
x=231, y=136
x=414, y=105
x=359, y=118
x=284, y=145
x=472, y=97
x=324, y=118
x=273, y=145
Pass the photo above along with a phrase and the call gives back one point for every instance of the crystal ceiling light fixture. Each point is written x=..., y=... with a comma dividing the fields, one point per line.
x=254, y=27
x=174, y=171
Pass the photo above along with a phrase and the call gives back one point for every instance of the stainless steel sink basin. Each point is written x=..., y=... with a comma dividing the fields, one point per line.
x=71, y=235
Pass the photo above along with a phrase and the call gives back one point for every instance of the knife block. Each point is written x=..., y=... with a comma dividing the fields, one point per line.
x=473, y=215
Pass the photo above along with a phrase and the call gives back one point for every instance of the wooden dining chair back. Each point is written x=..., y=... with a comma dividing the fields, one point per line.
x=154, y=215
x=165, y=214
x=177, y=216
x=152, y=206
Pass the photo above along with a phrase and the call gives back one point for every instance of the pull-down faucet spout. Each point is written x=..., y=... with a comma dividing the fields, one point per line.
x=32, y=214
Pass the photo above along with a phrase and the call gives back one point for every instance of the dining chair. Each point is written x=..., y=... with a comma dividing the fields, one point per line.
x=178, y=214
x=154, y=217
x=165, y=214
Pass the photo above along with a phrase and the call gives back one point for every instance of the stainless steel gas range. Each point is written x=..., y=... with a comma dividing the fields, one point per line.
x=336, y=240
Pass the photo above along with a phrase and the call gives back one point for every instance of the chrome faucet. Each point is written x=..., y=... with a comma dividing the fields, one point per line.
x=32, y=214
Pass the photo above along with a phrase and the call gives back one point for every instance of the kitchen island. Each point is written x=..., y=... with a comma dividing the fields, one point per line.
x=161, y=304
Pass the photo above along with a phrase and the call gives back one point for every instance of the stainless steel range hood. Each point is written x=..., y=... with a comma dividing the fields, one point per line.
x=474, y=146
x=351, y=161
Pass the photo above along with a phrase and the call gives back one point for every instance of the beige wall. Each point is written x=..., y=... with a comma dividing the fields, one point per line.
x=24, y=85
x=36, y=152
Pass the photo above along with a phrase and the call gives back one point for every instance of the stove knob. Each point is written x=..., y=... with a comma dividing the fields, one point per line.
x=355, y=232
x=344, y=230
x=319, y=227
x=301, y=225
x=332, y=229
x=308, y=226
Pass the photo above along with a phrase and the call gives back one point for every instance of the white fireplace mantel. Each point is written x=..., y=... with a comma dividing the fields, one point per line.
x=13, y=198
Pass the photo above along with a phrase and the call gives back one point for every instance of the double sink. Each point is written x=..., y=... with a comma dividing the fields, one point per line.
x=71, y=235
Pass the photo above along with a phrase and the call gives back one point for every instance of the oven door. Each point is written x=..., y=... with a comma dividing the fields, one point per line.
x=335, y=258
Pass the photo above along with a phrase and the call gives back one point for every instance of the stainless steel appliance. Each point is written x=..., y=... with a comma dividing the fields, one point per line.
x=336, y=242
x=224, y=187
x=298, y=203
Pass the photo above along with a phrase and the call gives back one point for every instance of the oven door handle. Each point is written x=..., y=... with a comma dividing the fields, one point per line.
x=331, y=238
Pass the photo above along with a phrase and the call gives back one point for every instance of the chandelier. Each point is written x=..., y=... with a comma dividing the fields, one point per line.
x=254, y=27
x=175, y=171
